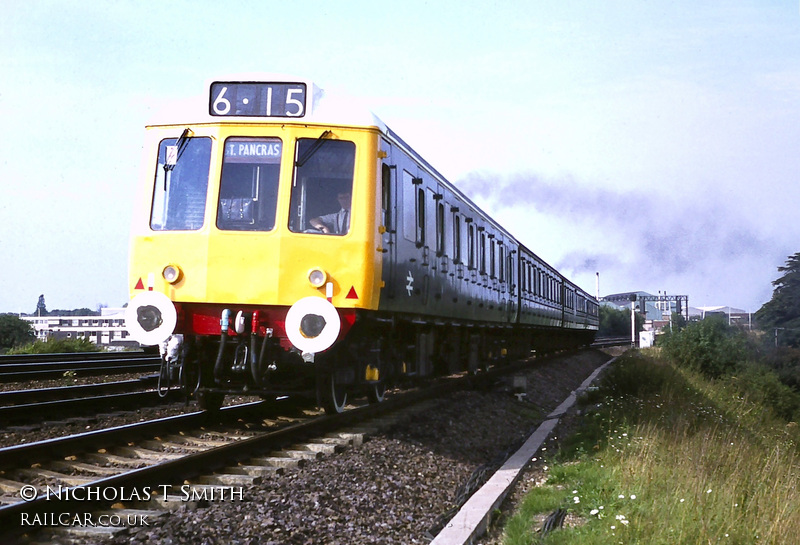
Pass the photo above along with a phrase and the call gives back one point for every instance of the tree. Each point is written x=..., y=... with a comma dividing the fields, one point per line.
x=782, y=312
x=617, y=322
x=710, y=346
x=14, y=331
x=41, y=308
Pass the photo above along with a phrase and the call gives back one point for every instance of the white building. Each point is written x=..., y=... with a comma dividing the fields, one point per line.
x=107, y=330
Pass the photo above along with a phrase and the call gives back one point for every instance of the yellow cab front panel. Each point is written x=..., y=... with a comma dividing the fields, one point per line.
x=239, y=215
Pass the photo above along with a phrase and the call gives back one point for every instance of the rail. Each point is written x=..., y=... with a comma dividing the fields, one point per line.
x=47, y=366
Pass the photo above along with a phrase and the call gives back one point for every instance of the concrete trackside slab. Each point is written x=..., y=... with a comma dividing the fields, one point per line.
x=472, y=519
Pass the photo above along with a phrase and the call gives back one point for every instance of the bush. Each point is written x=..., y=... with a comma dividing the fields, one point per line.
x=761, y=385
x=785, y=362
x=709, y=346
x=57, y=346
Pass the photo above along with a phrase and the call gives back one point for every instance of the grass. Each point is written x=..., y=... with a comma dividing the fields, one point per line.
x=57, y=346
x=666, y=456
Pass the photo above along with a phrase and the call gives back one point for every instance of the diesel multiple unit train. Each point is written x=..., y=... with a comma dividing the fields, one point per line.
x=288, y=242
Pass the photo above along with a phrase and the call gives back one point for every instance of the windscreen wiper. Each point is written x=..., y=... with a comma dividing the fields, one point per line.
x=180, y=145
x=312, y=150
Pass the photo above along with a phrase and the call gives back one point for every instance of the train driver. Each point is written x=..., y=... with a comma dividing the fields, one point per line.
x=336, y=223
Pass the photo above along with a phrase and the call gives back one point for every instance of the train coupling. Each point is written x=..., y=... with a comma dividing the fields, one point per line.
x=171, y=348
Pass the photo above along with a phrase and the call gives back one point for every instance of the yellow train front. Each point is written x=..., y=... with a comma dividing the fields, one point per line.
x=254, y=242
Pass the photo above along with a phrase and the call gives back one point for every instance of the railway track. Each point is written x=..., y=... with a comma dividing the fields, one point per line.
x=60, y=393
x=21, y=406
x=184, y=457
x=240, y=447
x=20, y=368
x=605, y=342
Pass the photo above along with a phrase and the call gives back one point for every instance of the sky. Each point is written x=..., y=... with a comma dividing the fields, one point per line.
x=654, y=143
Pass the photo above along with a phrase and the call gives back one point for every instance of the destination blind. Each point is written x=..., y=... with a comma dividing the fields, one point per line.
x=257, y=99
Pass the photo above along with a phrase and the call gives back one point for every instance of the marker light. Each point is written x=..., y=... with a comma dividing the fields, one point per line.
x=172, y=273
x=317, y=277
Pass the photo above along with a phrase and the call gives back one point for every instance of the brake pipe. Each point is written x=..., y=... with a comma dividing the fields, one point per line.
x=224, y=324
x=253, y=339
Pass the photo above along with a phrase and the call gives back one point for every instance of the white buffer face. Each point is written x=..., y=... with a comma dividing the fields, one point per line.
x=312, y=324
x=150, y=318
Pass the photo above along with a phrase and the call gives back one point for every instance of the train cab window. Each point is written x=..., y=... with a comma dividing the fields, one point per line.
x=181, y=184
x=322, y=186
x=248, y=187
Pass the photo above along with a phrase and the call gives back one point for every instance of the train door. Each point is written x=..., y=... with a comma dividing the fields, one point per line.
x=512, y=284
x=431, y=260
x=389, y=219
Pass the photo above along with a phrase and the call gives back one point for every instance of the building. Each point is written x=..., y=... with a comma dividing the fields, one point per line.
x=735, y=316
x=107, y=330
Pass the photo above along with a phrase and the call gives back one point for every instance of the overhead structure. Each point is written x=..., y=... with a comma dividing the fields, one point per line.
x=666, y=303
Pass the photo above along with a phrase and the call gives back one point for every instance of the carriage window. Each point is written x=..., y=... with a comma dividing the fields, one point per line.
x=440, y=229
x=420, y=217
x=322, y=186
x=181, y=184
x=492, y=258
x=502, y=263
x=248, y=191
x=457, y=238
x=528, y=278
x=471, y=246
x=482, y=253
x=386, y=195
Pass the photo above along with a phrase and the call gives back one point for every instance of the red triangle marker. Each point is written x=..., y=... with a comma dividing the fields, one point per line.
x=352, y=293
x=139, y=285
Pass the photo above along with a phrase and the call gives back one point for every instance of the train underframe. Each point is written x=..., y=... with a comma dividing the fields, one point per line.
x=378, y=351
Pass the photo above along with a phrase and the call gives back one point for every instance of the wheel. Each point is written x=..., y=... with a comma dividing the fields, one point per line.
x=334, y=395
x=210, y=401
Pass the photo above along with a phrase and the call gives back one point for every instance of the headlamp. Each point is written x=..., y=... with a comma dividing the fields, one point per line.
x=172, y=273
x=317, y=277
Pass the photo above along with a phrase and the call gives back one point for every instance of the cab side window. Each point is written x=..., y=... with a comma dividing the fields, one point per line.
x=322, y=186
